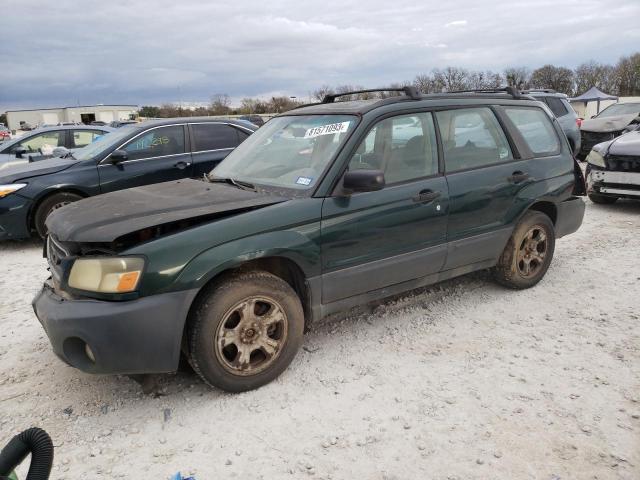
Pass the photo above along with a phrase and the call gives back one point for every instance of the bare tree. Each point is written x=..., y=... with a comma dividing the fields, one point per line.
x=282, y=104
x=220, y=104
x=485, y=80
x=592, y=74
x=451, y=78
x=517, y=77
x=559, y=79
x=628, y=75
x=321, y=92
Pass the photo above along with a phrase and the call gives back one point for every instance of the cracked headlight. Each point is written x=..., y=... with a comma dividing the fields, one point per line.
x=595, y=158
x=10, y=188
x=106, y=275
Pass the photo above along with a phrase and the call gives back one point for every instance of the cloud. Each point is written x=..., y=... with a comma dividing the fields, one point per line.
x=456, y=23
x=156, y=51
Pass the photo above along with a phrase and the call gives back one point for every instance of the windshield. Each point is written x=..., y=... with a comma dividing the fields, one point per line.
x=103, y=143
x=288, y=152
x=620, y=109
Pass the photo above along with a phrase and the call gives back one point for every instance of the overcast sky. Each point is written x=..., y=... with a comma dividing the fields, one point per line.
x=72, y=52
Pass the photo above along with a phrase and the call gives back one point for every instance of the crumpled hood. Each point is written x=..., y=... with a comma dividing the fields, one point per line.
x=11, y=172
x=607, y=124
x=627, y=144
x=104, y=218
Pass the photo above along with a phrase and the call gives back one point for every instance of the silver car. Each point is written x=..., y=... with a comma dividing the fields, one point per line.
x=41, y=143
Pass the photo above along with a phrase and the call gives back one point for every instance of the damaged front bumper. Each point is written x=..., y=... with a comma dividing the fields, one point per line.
x=128, y=337
x=618, y=184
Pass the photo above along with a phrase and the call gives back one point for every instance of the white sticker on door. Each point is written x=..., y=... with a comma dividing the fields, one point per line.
x=327, y=129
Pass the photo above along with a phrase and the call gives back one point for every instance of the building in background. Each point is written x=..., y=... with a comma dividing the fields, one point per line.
x=81, y=114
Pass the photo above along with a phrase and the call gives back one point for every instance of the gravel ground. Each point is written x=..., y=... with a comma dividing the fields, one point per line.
x=462, y=380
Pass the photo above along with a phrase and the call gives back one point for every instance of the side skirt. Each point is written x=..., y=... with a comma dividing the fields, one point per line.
x=320, y=310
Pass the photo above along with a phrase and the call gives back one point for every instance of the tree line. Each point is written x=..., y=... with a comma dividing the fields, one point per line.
x=622, y=79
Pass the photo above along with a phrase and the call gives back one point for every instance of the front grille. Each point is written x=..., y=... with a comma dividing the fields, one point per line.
x=623, y=163
x=56, y=253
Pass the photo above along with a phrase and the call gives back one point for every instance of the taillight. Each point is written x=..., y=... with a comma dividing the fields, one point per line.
x=579, y=122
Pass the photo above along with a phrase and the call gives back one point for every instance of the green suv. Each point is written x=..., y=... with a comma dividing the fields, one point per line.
x=323, y=208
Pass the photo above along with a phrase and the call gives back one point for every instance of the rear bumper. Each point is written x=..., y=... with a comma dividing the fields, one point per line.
x=137, y=336
x=617, y=184
x=570, y=216
x=14, y=211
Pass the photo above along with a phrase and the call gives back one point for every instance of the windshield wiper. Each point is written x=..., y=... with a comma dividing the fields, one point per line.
x=232, y=181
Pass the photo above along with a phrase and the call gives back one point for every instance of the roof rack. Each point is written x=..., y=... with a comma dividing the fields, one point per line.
x=513, y=91
x=539, y=90
x=410, y=92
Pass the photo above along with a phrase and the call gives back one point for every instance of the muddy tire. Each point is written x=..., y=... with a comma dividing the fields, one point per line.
x=245, y=331
x=48, y=205
x=602, y=199
x=528, y=253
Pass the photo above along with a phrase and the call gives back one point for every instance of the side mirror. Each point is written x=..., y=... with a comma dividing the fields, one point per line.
x=118, y=156
x=20, y=151
x=363, y=181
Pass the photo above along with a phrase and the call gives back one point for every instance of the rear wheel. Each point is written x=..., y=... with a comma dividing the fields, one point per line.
x=528, y=254
x=602, y=199
x=50, y=204
x=245, y=331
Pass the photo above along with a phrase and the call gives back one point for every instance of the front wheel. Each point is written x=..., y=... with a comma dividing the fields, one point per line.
x=50, y=204
x=245, y=331
x=528, y=253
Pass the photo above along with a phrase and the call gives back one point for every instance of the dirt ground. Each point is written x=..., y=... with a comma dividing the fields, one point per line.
x=462, y=380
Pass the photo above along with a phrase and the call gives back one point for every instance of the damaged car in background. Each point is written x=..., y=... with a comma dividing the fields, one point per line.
x=613, y=121
x=613, y=169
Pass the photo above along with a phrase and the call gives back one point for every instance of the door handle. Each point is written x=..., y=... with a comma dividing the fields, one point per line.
x=518, y=177
x=426, y=196
x=181, y=165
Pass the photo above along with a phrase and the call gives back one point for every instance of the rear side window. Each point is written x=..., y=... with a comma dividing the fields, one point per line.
x=214, y=136
x=557, y=106
x=472, y=138
x=536, y=128
x=82, y=138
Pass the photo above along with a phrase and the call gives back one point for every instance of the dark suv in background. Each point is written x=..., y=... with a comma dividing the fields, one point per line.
x=324, y=207
x=149, y=152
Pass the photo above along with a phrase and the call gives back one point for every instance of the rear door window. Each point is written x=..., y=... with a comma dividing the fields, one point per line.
x=82, y=138
x=214, y=136
x=536, y=128
x=557, y=106
x=158, y=142
x=472, y=138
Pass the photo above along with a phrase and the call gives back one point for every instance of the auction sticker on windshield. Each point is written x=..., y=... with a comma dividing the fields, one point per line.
x=327, y=129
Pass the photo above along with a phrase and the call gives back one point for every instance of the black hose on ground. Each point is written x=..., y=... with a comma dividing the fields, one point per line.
x=34, y=441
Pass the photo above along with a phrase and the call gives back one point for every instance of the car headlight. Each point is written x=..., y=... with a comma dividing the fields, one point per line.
x=10, y=188
x=595, y=158
x=106, y=275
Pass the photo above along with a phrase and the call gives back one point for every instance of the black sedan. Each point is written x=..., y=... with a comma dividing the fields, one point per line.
x=149, y=152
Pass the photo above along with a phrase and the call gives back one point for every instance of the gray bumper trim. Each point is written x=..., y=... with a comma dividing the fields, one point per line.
x=136, y=336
